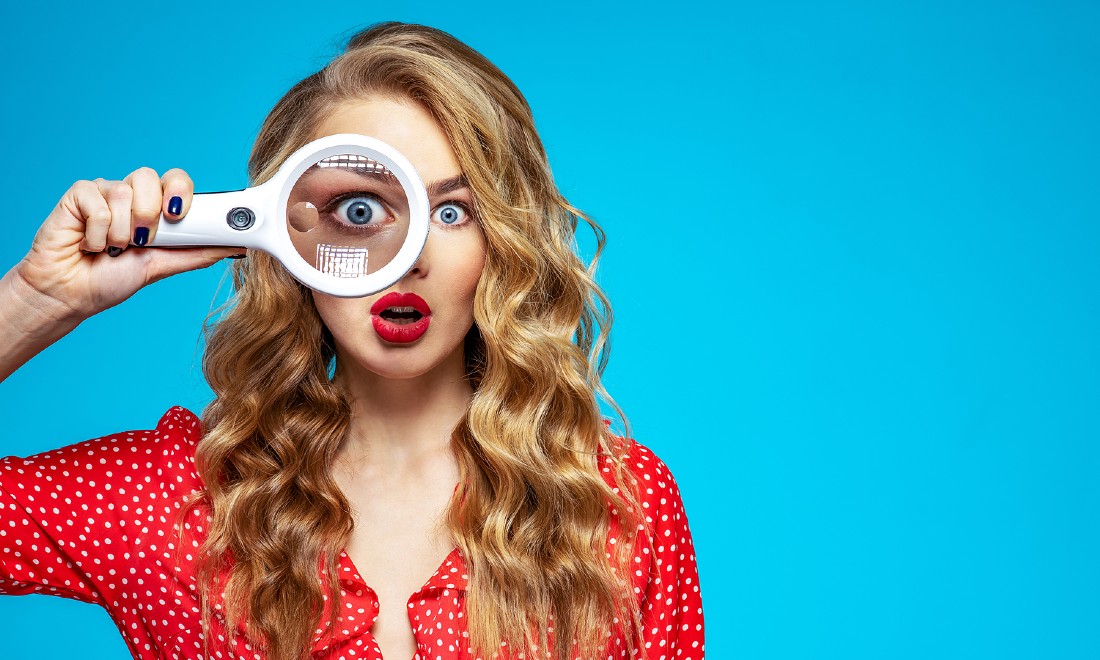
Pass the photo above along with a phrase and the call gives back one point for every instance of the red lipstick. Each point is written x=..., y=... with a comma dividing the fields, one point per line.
x=400, y=318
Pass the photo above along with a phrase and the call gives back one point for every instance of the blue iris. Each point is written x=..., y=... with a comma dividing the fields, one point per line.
x=360, y=213
x=450, y=214
x=361, y=210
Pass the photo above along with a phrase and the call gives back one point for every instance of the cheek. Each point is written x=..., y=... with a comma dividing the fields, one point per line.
x=338, y=314
x=474, y=269
x=465, y=267
x=477, y=267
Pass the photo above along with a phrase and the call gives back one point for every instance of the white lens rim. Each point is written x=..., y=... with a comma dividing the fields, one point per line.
x=277, y=233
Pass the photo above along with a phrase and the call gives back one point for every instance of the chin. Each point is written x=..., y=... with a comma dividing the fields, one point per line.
x=398, y=369
x=404, y=361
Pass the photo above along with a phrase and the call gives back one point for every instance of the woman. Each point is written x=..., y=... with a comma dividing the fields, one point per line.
x=338, y=467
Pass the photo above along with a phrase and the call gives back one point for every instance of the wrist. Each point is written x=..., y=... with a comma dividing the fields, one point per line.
x=27, y=313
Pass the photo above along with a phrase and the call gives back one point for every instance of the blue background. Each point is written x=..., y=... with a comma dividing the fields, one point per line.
x=854, y=257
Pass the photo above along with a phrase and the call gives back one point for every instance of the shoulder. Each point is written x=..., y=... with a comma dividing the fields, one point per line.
x=662, y=513
x=80, y=515
x=647, y=472
x=657, y=490
x=647, y=466
x=162, y=454
x=666, y=574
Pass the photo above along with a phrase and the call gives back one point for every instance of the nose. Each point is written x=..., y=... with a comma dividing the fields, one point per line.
x=420, y=268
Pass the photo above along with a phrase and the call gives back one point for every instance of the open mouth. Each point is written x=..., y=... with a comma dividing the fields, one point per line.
x=401, y=315
x=401, y=318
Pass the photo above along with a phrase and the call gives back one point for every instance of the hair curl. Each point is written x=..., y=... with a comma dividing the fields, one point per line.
x=532, y=514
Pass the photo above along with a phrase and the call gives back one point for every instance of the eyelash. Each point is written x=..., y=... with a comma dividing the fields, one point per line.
x=471, y=217
x=328, y=208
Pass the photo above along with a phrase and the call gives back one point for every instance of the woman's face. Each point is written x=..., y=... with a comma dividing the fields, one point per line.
x=419, y=323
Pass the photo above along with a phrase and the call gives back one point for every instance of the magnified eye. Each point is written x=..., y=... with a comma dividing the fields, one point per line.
x=450, y=213
x=360, y=210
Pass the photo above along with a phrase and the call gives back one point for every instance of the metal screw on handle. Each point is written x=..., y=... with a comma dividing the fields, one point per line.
x=240, y=218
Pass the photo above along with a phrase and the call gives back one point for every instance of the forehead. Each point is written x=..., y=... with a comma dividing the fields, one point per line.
x=403, y=124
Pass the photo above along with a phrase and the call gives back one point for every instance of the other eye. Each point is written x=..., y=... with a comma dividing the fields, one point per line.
x=360, y=210
x=451, y=213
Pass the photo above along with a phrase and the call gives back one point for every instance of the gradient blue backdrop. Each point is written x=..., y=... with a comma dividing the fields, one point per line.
x=854, y=256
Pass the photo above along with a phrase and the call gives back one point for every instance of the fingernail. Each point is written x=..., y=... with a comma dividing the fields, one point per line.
x=141, y=236
x=175, y=205
x=114, y=251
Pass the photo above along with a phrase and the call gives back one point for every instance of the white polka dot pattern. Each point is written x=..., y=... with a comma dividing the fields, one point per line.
x=98, y=522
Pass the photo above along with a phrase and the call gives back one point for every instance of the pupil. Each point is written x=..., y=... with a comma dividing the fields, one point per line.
x=359, y=213
x=449, y=215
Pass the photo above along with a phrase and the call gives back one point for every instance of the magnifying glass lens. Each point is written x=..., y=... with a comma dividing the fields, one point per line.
x=347, y=216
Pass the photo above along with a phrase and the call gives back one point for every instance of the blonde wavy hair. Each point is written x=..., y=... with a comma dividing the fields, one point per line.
x=532, y=515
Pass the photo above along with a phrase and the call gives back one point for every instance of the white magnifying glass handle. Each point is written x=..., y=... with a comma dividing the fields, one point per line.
x=233, y=218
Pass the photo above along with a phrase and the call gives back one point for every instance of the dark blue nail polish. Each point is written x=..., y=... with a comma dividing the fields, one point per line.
x=114, y=251
x=175, y=205
x=141, y=236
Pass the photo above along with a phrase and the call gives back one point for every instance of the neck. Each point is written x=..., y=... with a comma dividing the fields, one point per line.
x=401, y=423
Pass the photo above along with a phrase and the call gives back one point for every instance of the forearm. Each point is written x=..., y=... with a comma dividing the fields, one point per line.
x=29, y=322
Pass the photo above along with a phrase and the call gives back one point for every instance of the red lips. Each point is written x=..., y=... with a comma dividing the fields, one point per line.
x=400, y=318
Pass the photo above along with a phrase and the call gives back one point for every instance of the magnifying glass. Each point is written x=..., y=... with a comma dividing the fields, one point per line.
x=346, y=215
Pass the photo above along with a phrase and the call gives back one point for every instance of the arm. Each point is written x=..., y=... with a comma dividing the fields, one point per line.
x=87, y=257
x=92, y=520
x=29, y=322
x=670, y=597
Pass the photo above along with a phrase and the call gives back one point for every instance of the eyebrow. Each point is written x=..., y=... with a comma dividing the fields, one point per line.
x=444, y=186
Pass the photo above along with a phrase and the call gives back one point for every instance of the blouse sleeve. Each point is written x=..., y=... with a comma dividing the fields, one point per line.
x=671, y=602
x=69, y=518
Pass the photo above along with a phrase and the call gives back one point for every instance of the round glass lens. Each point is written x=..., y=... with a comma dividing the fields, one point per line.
x=347, y=216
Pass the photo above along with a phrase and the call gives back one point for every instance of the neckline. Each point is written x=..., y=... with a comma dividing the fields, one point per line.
x=450, y=575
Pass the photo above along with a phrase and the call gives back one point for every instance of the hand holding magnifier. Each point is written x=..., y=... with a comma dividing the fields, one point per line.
x=346, y=215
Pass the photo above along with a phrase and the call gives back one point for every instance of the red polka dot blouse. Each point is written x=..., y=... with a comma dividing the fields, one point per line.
x=97, y=521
